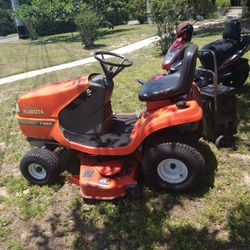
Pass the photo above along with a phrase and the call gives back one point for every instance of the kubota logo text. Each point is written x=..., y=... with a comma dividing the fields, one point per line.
x=33, y=111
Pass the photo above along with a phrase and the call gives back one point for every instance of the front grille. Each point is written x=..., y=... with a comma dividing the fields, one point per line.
x=81, y=98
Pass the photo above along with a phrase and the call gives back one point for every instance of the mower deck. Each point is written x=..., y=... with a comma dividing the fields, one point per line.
x=105, y=180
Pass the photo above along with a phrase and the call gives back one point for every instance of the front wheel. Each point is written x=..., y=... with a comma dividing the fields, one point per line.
x=40, y=166
x=173, y=166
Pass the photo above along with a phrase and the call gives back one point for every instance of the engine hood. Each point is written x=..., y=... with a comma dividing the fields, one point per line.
x=47, y=100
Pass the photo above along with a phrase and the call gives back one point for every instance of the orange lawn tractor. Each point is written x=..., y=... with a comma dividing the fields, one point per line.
x=77, y=114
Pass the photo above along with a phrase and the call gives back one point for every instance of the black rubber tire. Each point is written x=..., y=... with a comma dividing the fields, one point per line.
x=189, y=138
x=239, y=79
x=240, y=74
x=192, y=159
x=223, y=141
x=47, y=159
x=134, y=191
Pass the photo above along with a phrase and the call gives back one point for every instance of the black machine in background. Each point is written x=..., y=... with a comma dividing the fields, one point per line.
x=219, y=107
x=232, y=68
x=222, y=69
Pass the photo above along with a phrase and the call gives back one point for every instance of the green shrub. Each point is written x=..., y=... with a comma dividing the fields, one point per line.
x=246, y=14
x=139, y=10
x=246, y=3
x=202, y=7
x=223, y=3
x=110, y=12
x=7, y=25
x=87, y=23
x=48, y=17
x=167, y=14
x=31, y=16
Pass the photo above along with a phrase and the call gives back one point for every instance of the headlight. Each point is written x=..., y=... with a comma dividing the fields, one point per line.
x=169, y=57
x=17, y=108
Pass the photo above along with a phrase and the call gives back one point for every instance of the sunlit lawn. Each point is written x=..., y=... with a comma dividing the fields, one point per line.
x=26, y=55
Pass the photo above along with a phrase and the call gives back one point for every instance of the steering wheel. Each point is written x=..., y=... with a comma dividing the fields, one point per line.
x=111, y=69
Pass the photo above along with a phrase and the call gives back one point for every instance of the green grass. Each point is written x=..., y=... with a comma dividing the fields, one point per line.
x=32, y=201
x=223, y=3
x=10, y=35
x=26, y=55
x=217, y=216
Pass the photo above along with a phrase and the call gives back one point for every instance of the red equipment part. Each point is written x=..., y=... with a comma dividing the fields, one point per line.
x=105, y=180
x=183, y=35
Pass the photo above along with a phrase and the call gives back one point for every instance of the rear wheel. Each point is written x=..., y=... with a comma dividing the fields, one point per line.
x=240, y=74
x=239, y=79
x=174, y=135
x=173, y=166
x=40, y=166
x=224, y=141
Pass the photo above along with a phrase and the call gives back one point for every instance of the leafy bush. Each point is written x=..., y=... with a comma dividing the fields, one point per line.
x=48, y=17
x=166, y=14
x=30, y=15
x=110, y=12
x=139, y=10
x=223, y=3
x=246, y=14
x=246, y=3
x=202, y=7
x=87, y=24
x=7, y=25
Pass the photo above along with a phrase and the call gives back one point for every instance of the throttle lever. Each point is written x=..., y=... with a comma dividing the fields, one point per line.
x=140, y=81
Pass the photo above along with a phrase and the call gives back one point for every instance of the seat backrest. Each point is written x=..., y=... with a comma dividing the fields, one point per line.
x=172, y=85
x=232, y=30
x=187, y=68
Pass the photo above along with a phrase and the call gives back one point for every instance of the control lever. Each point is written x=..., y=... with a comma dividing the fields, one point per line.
x=140, y=81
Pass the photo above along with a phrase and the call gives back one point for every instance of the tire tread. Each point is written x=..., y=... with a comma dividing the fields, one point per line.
x=46, y=158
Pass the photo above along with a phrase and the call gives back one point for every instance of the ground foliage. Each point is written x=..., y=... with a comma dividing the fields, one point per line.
x=167, y=14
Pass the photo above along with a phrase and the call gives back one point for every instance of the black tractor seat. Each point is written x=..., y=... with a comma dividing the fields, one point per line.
x=223, y=48
x=175, y=84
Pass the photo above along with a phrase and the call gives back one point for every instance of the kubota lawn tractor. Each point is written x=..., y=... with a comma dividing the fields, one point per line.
x=77, y=114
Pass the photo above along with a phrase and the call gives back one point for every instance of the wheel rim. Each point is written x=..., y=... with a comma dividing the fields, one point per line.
x=172, y=171
x=37, y=171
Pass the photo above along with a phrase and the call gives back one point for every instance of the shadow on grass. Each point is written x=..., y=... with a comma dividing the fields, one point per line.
x=66, y=40
x=188, y=237
x=243, y=108
x=143, y=224
x=134, y=224
x=37, y=232
x=238, y=223
x=217, y=29
x=70, y=165
x=131, y=224
x=108, y=32
x=76, y=38
x=211, y=166
x=209, y=31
